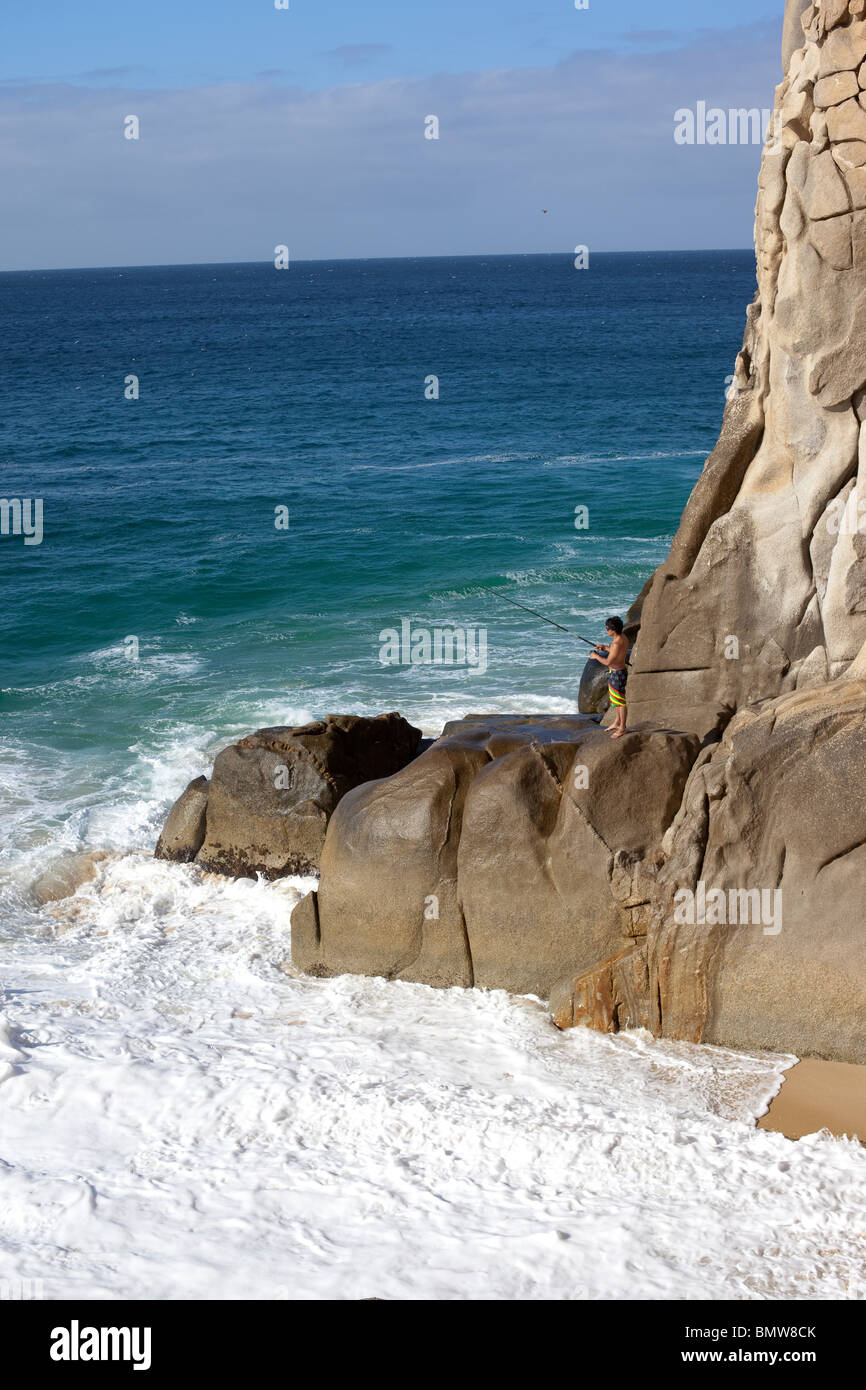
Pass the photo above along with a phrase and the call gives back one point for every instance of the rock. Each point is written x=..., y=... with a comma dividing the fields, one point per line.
x=592, y=697
x=488, y=860
x=824, y=193
x=833, y=12
x=710, y=642
x=832, y=239
x=753, y=632
x=771, y=838
x=608, y=998
x=67, y=874
x=387, y=900
x=851, y=154
x=846, y=122
x=855, y=182
x=784, y=815
x=272, y=794
x=792, y=35
x=818, y=131
x=830, y=91
x=183, y=833
x=843, y=50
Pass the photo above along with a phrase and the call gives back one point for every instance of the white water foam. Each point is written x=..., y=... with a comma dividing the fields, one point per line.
x=183, y=1116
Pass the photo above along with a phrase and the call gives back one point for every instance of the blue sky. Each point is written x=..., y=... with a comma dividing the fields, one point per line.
x=165, y=43
x=305, y=126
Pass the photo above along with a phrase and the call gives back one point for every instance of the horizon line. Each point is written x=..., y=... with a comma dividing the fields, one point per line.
x=345, y=260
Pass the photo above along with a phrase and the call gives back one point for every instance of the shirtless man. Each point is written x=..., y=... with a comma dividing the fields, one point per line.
x=613, y=657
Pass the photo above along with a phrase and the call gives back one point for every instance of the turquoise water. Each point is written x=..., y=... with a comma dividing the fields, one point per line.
x=305, y=389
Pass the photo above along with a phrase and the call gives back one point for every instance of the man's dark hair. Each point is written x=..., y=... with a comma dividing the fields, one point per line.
x=616, y=624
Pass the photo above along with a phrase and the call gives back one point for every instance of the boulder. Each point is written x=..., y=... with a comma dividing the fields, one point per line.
x=183, y=833
x=271, y=795
x=592, y=696
x=830, y=91
x=771, y=837
x=488, y=860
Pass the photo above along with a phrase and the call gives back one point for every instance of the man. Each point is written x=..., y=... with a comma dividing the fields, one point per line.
x=613, y=657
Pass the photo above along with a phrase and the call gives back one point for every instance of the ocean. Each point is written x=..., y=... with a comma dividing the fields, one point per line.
x=247, y=476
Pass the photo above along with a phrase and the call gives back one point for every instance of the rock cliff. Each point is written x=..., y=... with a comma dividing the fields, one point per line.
x=764, y=589
x=755, y=625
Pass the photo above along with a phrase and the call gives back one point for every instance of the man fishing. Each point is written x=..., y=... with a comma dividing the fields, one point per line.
x=613, y=657
x=615, y=660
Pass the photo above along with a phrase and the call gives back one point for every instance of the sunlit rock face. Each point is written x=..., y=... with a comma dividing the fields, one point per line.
x=488, y=859
x=764, y=590
x=746, y=926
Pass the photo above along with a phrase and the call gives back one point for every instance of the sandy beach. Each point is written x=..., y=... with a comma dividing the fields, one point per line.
x=819, y=1095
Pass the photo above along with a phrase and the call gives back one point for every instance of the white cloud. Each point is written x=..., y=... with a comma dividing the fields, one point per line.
x=227, y=172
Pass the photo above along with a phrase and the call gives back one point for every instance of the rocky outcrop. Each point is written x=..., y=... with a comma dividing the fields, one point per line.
x=488, y=861
x=764, y=590
x=750, y=929
x=755, y=625
x=270, y=797
x=703, y=884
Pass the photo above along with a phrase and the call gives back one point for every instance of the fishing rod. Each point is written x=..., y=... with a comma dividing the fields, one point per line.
x=548, y=620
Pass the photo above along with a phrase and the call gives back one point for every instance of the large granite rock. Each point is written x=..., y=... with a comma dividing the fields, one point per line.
x=488, y=860
x=271, y=795
x=764, y=591
x=769, y=848
x=756, y=625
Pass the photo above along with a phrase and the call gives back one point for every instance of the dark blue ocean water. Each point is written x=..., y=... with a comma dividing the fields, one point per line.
x=305, y=389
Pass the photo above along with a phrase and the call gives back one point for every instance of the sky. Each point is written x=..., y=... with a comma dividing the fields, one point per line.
x=305, y=127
